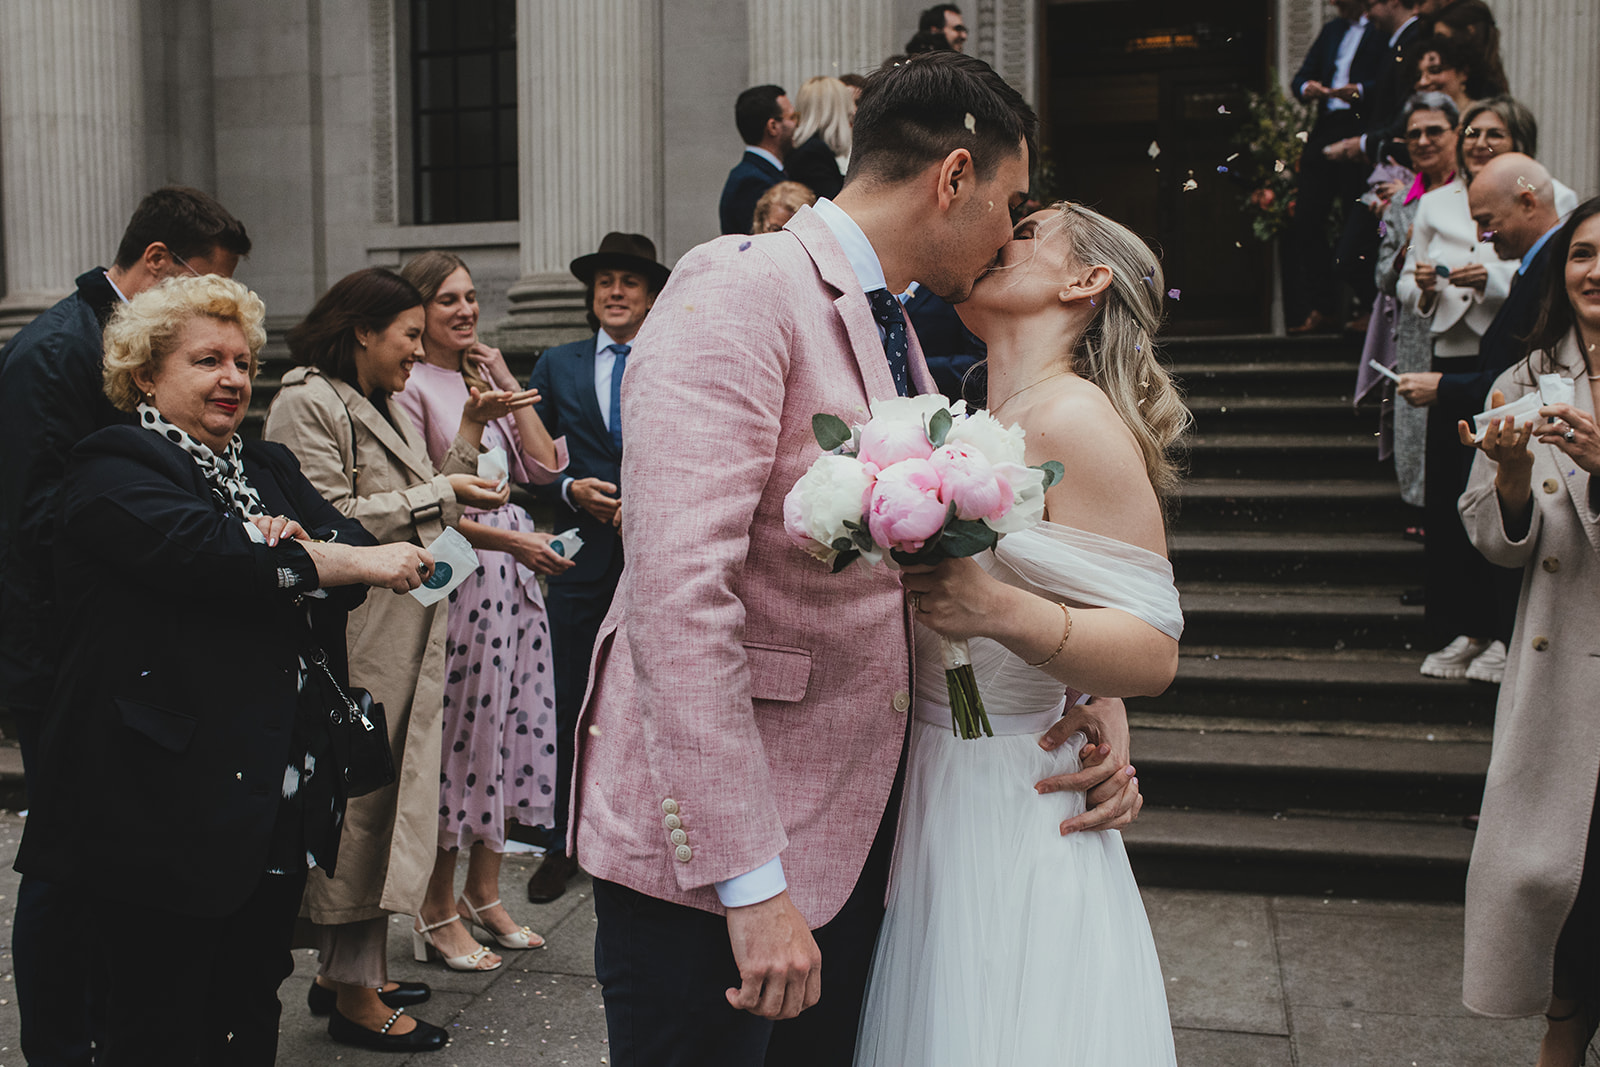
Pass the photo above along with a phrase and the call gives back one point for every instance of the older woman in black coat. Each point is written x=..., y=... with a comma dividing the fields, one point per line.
x=185, y=776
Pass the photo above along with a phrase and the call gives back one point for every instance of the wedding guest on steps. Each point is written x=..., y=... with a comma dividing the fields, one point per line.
x=766, y=121
x=336, y=411
x=1533, y=886
x=499, y=758
x=825, y=108
x=778, y=205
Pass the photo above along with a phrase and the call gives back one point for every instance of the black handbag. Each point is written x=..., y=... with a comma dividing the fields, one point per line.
x=359, y=735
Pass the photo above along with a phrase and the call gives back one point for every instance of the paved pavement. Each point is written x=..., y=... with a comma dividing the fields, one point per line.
x=1253, y=981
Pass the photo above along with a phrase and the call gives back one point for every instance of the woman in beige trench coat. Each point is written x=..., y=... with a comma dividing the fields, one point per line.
x=357, y=347
x=1533, y=501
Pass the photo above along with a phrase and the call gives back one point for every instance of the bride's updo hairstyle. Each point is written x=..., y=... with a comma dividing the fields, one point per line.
x=1117, y=351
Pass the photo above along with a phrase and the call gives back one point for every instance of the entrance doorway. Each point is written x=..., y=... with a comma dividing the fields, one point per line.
x=1144, y=97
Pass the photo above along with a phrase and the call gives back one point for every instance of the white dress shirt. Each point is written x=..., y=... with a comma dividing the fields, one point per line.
x=604, y=362
x=1343, y=60
x=764, y=154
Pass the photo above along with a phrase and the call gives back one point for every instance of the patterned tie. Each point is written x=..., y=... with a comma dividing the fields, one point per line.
x=892, y=317
x=616, y=390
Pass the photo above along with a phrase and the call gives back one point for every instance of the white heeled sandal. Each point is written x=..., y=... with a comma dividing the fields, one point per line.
x=521, y=937
x=423, y=949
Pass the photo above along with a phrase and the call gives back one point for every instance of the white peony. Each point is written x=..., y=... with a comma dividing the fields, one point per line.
x=914, y=409
x=1027, y=498
x=988, y=435
x=828, y=495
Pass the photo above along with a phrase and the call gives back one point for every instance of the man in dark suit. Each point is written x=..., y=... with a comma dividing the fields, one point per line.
x=1337, y=76
x=52, y=397
x=1513, y=198
x=766, y=121
x=579, y=395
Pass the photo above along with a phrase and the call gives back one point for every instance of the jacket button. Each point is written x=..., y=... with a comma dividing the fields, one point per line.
x=669, y=807
x=1551, y=485
x=902, y=700
x=672, y=822
x=1551, y=564
x=684, y=853
x=679, y=837
x=1541, y=643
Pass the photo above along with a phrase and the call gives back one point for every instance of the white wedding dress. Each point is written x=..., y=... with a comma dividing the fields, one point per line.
x=1006, y=943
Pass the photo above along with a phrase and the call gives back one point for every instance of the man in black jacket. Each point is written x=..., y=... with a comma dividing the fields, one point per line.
x=50, y=399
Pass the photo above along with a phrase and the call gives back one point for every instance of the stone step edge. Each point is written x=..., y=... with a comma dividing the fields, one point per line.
x=1354, y=757
x=1356, y=840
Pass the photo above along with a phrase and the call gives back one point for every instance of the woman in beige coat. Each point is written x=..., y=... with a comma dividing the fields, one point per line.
x=1533, y=894
x=356, y=349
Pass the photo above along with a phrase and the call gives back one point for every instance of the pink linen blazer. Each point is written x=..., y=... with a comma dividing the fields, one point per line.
x=743, y=702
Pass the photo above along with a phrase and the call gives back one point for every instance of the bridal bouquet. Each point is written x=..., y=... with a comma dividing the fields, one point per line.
x=923, y=480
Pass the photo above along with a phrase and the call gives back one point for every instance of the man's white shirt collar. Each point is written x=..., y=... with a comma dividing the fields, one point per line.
x=764, y=154
x=1394, y=38
x=857, y=249
x=120, y=294
x=602, y=340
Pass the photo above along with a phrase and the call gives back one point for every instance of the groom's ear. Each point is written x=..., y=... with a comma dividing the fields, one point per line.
x=956, y=177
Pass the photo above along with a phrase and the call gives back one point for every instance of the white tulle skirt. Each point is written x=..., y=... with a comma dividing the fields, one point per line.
x=1005, y=943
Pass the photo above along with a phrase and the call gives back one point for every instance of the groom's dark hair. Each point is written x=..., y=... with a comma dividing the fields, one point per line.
x=916, y=110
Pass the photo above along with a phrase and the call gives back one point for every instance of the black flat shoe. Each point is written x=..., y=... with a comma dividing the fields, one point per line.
x=425, y=1038
x=549, y=881
x=320, y=999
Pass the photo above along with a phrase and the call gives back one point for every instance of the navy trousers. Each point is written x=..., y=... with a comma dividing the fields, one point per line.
x=576, y=611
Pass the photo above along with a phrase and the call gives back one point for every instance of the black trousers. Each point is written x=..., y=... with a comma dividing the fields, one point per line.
x=576, y=611
x=1577, y=970
x=663, y=969
x=1465, y=593
x=1310, y=282
x=59, y=991
x=180, y=985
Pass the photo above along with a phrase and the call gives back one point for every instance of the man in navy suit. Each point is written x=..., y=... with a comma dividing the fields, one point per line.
x=1338, y=75
x=766, y=121
x=579, y=395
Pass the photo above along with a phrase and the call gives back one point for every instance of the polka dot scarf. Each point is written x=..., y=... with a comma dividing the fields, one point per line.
x=224, y=472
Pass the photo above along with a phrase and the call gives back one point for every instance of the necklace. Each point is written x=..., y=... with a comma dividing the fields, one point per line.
x=1025, y=388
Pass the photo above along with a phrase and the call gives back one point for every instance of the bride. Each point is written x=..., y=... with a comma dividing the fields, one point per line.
x=1015, y=933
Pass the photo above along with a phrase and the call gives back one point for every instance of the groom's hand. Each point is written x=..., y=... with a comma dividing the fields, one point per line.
x=1111, y=788
x=780, y=965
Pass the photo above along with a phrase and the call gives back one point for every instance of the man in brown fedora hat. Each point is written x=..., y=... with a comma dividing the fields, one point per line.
x=580, y=389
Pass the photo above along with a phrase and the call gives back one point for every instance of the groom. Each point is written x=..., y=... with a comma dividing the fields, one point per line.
x=738, y=751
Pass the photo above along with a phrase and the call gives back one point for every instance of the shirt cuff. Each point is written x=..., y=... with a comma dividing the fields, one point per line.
x=566, y=498
x=752, y=887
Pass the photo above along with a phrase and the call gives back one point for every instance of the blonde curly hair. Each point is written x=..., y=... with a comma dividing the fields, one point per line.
x=146, y=329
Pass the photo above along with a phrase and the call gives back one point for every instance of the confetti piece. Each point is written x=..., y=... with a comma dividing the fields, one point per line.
x=594, y=731
x=970, y=123
x=1154, y=150
x=1383, y=228
x=1222, y=109
x=1302, y=137
x=1175, y=294
x=744, y=246
x=1278, y=167
x=1190, y=186
x=1231, y=158
x=1222, y=170
x=1236, y=244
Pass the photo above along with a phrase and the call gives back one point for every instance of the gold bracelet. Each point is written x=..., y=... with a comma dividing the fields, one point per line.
x=1065, y=633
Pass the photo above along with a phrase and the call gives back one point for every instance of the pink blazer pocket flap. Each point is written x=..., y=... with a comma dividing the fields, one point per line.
x=778, y=672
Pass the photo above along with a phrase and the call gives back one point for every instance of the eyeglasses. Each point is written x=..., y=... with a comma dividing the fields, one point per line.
x=1472, y=133
x=184, y=263
x=1433, y=133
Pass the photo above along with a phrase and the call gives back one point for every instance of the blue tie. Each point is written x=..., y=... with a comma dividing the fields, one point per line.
x=616, y=390
x=892, y=317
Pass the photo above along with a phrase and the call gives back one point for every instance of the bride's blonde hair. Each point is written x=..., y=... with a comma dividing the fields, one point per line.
x=1117, y=351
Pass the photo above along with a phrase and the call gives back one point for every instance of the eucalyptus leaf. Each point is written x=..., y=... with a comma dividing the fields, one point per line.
x=830, y=430
x=966, y=537
x=844, y=559
x=1053, y=472
x=939, y=428
x=842, y=544
x=862, y=539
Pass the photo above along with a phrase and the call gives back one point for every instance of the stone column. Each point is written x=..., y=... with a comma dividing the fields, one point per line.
x=71, y=143
x=1551, y=50
x=589, y=150
x=1005, y=35
x=792, y=40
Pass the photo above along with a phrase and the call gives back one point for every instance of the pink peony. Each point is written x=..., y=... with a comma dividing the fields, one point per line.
x=903, y=507
x=885, y=442
x=970, y=483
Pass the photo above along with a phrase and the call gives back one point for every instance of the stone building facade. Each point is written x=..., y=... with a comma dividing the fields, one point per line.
x=311, y=121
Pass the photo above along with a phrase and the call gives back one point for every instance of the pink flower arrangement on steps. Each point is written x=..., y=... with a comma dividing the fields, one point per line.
x=923, y=480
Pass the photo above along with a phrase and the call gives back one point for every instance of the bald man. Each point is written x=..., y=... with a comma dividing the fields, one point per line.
x=1512, y=201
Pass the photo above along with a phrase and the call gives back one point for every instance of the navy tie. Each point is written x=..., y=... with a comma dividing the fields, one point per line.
x=616, y=390
x=892, y=318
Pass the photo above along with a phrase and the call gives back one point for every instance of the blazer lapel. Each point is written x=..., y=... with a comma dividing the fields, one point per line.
x=587, y=396
x=406, y=450
x=860, y=327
